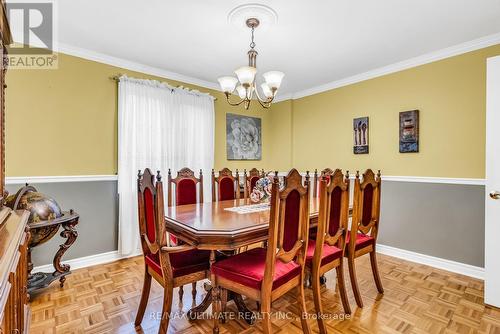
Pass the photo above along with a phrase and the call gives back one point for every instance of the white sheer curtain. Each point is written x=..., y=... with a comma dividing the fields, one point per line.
x=159, y=127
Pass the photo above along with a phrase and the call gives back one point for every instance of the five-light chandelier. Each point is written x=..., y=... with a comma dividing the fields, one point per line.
x=245, y=85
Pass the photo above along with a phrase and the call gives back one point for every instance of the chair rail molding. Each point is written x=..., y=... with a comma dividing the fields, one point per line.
x=416, y=179
x=59, y=179
x=111, y=177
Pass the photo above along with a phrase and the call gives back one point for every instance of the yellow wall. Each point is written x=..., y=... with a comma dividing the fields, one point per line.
x=64, y=121
x=451, y=97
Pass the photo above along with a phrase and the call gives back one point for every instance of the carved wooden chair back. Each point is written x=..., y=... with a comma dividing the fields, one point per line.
x=328, y=172
x=151, y=212
x=288, y=225
x=225, y=186
x=333, y=212
x=185, y=187
x=251, y=179
x=366, y=205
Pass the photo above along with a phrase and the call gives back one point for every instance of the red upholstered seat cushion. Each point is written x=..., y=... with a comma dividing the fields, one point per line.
x=226, y=189
x=183, y=263
x=248, y=269
x=362, y=240
x=185, y=192
x=330, y=253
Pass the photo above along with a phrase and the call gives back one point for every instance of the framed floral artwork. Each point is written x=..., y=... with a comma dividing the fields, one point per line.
x=243, y=137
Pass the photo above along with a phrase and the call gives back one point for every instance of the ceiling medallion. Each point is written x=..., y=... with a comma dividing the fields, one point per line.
x=245, y=83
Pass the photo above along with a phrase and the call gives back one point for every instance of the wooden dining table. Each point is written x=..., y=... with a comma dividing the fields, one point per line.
x=210, y=226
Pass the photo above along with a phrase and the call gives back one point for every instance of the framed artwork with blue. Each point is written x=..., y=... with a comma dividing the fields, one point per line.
x=408, y=131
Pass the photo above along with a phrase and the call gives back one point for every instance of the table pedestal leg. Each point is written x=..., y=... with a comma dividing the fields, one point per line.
x=243, y=310
x=196, y=311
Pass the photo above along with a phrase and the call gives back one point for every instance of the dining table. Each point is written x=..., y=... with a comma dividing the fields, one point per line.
x=224, y=227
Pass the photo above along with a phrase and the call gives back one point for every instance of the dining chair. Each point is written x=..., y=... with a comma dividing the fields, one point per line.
x=325, y=172
x=250, y=180
x=265, y=274
x=362, y=239
x=185, y=193
x=171, y=266
x=225, y=186
x=326, y=251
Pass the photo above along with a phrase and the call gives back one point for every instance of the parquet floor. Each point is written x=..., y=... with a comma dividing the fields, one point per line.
x=418, y=299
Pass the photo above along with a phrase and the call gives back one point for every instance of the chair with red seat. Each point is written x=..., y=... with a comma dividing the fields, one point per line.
x=251, y=179
x=326, y=252
x=171, y=266
x=185, y=187
x=327, y=172
x=185, y=193
x=362, y=238
x=225, y=186
x=265, y=274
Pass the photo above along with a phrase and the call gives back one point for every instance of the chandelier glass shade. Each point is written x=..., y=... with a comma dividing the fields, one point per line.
x=245, y=85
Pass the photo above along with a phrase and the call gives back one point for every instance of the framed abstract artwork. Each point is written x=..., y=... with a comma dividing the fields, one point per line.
x=408, y=131
x=360, y=126
x=243, y=137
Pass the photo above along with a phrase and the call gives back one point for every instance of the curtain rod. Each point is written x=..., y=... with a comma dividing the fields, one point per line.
x=117, y=79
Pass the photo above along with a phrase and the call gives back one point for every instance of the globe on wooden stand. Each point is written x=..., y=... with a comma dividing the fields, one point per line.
x=46, y=218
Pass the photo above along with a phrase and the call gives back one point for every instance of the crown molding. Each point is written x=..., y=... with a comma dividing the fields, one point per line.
x=133, y=66
x=455, y=50
x=283, y=97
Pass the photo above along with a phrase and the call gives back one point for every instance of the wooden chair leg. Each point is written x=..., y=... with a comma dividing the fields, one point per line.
x=302, y=307
x=193, y=290
x=167, y=307
x=223, y=303
x=318, y=307
x=265, y=310
x=342, y=288
x=354, y=281
x=181, y=292
x=376, y=275
x=216, y=307
x=146, y=288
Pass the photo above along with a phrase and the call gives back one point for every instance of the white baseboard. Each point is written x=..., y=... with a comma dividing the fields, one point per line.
x=456, y=267
x=436, y=262
x=88, y=261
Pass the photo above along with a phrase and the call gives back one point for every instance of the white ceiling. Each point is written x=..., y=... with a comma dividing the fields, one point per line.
x=314, y=42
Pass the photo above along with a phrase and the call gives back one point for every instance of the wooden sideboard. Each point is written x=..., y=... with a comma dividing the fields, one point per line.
x=14, y=239
x=14, y=233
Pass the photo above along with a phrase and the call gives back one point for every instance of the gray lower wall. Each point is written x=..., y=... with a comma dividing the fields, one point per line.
x=97, y=204
x=441, y=220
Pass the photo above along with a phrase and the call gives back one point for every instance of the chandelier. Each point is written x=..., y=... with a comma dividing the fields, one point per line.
x=245, y=85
